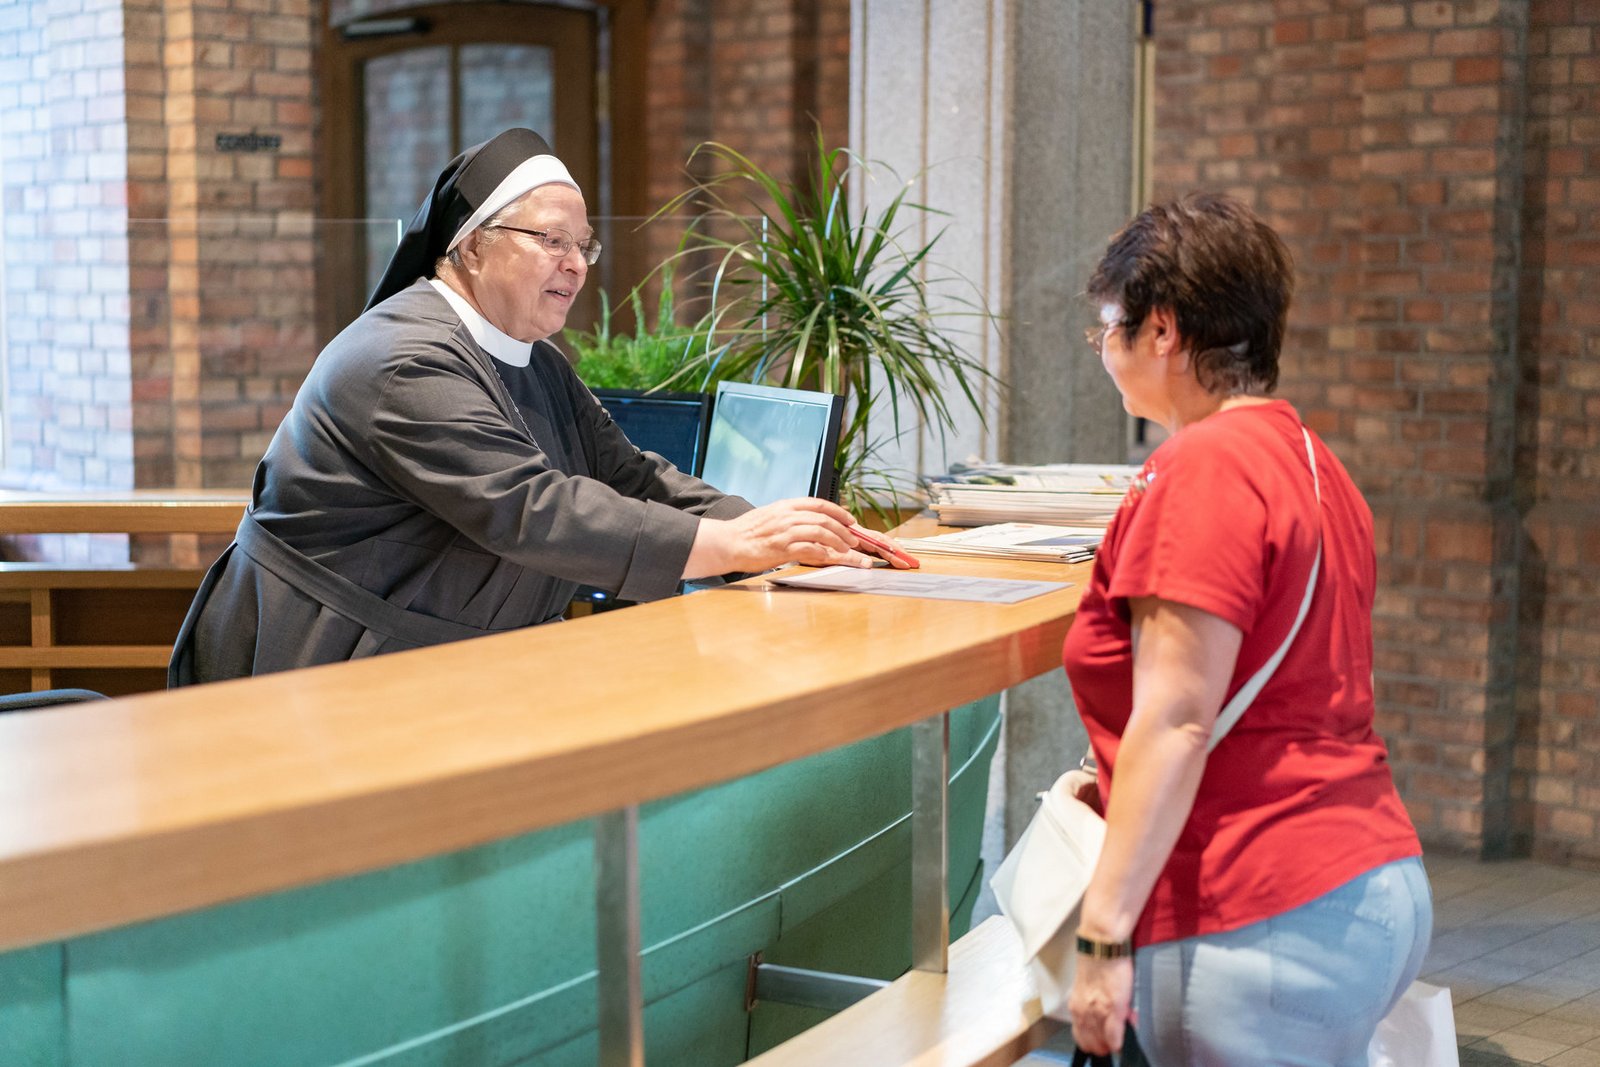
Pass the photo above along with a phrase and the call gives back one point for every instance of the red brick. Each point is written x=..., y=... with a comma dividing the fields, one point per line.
x=1429, y=73
x=1461, y=101
x=1433, y=14
x=1473, y=42
x=1463, y=160
x=1477, y=70
x=1382, y=76
x=1379, y=16
x=1423, y=311
x=1292, y=31
x=1454, y=461
x=1407, y=45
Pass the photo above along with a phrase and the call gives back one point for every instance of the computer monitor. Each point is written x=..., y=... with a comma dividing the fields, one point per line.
x=770, y=444
x=764, y=444
x=673, y=425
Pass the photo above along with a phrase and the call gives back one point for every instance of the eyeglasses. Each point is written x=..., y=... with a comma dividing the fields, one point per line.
x=558, y=242
x=1097, y=337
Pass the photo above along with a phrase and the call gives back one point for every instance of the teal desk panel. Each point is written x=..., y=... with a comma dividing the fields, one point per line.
x=32, y=1027
x=486, y=956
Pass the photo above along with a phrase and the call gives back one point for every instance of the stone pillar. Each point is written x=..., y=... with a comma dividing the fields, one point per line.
x=1072, y=136
x=1071, y=165
x=928, y=110
x=1017, y=118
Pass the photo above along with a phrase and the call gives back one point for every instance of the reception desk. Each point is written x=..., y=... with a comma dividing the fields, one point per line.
x=153, y=806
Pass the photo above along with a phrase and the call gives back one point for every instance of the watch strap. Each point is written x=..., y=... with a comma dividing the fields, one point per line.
x=1104, y=950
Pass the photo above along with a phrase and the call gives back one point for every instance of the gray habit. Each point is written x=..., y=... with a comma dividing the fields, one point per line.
x=456, y=492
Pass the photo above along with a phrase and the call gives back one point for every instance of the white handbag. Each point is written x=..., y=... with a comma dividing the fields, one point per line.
x=1419, y=1031
x=1040, y=884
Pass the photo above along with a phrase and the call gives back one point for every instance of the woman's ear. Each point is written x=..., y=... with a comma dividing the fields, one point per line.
x=468, y=251
x=1163, y=326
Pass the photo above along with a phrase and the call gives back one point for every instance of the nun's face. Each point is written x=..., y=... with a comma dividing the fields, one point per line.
x=521, y=288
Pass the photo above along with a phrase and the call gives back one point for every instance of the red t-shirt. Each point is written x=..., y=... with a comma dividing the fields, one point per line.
x=1298, y=798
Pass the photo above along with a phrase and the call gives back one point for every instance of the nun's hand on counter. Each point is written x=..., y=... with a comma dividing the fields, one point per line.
x=805, y=530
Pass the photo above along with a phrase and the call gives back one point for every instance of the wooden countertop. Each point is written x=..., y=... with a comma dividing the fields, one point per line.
x=199, y=511
x=115, y=812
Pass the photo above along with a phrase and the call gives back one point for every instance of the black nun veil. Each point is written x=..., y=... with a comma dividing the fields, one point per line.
x=473, y=186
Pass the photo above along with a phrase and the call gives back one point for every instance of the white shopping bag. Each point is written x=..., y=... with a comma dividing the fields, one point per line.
x=1040, y=886
x=1420, y=1031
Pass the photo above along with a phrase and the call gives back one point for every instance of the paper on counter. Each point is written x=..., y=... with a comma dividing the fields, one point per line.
x=930, y=586
x=1014, y=540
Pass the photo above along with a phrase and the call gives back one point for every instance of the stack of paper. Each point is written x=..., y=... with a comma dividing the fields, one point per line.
x=1013, y=540
x=1072, y=494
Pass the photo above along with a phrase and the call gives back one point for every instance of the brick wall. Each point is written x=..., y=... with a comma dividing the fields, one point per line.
x=250, y=214
x=65, y=272
x=64, y=310
x=222, y=243
x=754, y=74
x=1401, y=149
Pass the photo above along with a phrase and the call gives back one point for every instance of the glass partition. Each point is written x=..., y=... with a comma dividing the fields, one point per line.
x=165, y=359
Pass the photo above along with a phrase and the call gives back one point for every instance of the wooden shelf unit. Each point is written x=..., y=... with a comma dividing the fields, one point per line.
x=107, y=626
x=104, y=627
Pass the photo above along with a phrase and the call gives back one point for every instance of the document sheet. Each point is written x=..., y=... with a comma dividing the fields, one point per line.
x=931, y=586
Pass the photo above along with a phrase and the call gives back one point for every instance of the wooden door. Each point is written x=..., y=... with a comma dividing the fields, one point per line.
x=406, y=91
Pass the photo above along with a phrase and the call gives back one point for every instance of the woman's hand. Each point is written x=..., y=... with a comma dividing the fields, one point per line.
x=1100, y=1003
x=805, y=530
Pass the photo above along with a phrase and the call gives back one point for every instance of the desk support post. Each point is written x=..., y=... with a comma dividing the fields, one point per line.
x=620, y=988
x=930, y=844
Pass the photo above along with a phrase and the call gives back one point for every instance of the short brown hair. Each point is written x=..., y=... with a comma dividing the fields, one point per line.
x=1222, y=272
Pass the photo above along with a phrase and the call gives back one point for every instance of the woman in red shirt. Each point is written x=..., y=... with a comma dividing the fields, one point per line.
x=1263, y=904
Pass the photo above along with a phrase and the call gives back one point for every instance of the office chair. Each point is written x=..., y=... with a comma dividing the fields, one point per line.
x=46, y=698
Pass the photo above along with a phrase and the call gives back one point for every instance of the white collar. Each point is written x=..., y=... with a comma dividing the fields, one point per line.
x=490, y=338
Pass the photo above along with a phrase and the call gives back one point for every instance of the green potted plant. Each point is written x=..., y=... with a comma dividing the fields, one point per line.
x=802, y=293
x=606, y=358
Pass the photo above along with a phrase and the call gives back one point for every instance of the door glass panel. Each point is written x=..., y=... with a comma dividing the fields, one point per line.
x=407, y=142
x=505, y=85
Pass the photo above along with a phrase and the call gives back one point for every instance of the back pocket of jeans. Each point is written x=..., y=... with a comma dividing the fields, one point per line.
x=1330, y=963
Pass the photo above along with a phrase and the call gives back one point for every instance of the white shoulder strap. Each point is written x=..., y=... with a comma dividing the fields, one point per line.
x=1251, y=689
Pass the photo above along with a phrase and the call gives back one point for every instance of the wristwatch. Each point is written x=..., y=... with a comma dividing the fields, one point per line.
x=1104, y=950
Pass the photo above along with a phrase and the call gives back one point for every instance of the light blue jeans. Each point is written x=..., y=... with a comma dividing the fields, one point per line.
x=1302, y=989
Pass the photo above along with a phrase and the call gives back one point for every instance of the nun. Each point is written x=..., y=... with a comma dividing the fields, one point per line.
x=443, y=474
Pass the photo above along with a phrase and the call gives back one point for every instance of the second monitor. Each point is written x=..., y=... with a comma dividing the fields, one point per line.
x=771, y=444
x=673, y=425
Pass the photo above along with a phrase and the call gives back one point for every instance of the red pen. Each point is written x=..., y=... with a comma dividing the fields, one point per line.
x=887, y=549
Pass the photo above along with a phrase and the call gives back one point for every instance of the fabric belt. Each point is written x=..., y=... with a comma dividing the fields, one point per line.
x=344, y=596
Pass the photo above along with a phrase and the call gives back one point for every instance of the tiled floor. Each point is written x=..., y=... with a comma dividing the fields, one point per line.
x=1518, y=943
